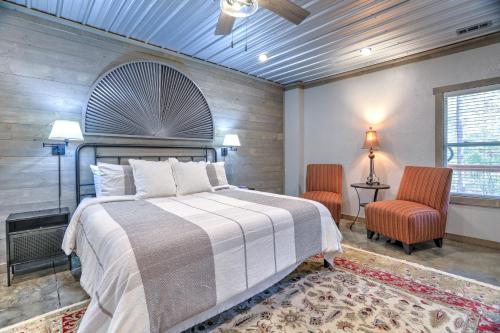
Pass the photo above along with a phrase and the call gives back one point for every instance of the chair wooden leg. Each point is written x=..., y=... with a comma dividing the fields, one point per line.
x=438, y=242
x=407, y=248
x=370, y=234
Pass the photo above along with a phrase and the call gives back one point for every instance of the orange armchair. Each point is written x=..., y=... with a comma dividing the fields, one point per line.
x=419, y=212
x=324, y=184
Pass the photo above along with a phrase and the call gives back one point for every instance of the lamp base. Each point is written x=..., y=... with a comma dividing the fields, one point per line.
x=372, y=179
x=372, y=182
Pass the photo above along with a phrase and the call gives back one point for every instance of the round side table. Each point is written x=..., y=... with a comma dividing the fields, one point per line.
x=366, y=186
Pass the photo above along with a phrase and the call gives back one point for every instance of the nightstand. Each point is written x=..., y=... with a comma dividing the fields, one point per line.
x=34, y=236
x=365, y=186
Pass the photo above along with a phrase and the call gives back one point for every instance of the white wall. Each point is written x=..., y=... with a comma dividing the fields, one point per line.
x=399, y=104
x=294, y=141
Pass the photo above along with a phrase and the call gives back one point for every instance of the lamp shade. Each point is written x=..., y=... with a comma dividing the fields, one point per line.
x=371, y=140
x=66, y=130
x=231, y=140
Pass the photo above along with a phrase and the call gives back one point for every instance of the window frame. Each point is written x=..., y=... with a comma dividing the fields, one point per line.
x=440, y=123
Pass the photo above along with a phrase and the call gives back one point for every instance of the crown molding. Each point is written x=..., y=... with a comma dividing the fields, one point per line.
x=465, y=45
x=468, y=44
x=295, y=85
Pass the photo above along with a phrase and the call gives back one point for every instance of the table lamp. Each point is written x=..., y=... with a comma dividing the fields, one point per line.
x=371, y=142
x=66, y=131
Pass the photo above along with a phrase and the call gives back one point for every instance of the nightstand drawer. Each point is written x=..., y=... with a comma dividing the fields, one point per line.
x=37, y=219
x=30, y=245
x=36, y=223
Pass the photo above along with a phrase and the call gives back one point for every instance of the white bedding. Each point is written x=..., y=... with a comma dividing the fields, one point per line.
x=253, y=248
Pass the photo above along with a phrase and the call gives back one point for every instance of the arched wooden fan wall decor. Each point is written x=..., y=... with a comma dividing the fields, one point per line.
x=150, y=100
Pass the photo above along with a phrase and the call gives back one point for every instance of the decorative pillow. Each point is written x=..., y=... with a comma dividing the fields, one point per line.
x=191, y=177
x=113, y=179
x=97, y=180
x=217, y=174
x=153, y=179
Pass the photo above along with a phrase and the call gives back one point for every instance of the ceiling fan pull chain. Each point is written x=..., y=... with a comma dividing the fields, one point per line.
x=246, y=33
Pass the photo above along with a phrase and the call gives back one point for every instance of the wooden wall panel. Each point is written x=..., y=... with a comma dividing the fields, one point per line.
x=46, y=71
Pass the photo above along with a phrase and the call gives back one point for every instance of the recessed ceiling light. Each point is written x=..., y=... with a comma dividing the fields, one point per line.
x=263, y=57
x=366, y=51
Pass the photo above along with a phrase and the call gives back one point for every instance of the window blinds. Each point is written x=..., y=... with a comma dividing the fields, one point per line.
x=472, y=140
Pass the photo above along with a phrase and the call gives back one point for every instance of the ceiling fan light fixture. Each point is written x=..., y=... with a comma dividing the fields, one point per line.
x=239, y=8
x=263, y=57
x=366, y=51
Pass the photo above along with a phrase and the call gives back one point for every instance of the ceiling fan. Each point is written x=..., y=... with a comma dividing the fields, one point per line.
x=232, y=9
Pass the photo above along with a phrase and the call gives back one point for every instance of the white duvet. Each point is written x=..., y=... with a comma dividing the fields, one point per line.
x=111, y=274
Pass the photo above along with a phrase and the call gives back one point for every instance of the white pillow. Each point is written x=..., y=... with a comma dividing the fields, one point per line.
x=191, y=177
x=113, y=179
x=217, y=174
x=153, y=179
x=97, y=180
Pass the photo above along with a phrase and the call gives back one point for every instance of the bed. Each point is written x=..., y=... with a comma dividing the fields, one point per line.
x=165, y=264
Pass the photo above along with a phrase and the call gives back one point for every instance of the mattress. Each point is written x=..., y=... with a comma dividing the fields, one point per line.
x=166, y=264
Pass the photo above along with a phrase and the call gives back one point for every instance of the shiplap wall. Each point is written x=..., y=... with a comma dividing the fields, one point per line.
x=46, y=71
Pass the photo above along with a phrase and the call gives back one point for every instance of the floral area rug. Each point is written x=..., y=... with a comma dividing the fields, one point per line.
x=63, y=320
x=364, y=292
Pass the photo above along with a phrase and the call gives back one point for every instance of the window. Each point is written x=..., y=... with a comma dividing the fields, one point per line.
x=470, y=140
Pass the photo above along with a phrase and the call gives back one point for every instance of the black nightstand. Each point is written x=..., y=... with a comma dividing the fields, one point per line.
x=34, y=236
x=365, y=186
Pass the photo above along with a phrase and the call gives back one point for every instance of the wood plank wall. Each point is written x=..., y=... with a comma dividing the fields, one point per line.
x=46, y=71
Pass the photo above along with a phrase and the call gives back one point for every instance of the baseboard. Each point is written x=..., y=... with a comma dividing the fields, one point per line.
x=473, y=241
x=457, y=238
x=352, y=218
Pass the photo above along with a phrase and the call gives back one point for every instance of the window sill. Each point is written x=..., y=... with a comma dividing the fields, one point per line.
x=470, y=200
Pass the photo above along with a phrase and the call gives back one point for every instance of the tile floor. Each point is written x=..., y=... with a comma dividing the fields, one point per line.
x=46, y=290
x=38, y=292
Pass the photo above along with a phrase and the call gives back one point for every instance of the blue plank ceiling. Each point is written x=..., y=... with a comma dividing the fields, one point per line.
x=328, y=42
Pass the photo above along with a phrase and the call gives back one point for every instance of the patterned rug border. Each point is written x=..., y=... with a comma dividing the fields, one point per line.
x=420, y=266
x=440, y=296
x=44, y=316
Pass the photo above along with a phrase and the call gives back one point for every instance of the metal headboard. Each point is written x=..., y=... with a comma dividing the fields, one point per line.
x=202, y=153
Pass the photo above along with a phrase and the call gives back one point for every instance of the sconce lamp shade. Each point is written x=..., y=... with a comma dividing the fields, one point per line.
x=231, y=140
x=66, y=130
x=371, y=140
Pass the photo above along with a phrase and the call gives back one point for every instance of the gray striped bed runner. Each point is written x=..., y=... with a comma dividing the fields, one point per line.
x=175, y=257
x=175, y=260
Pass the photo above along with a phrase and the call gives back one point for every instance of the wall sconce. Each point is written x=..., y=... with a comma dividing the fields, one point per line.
x=63, y=130
x=371, y=142
x=231, y=142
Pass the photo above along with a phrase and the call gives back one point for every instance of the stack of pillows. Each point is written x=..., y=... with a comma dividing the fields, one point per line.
x=150, y=179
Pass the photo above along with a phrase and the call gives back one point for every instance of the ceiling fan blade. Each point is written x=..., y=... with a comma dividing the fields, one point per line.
x=225, y=24
x=286, y=9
